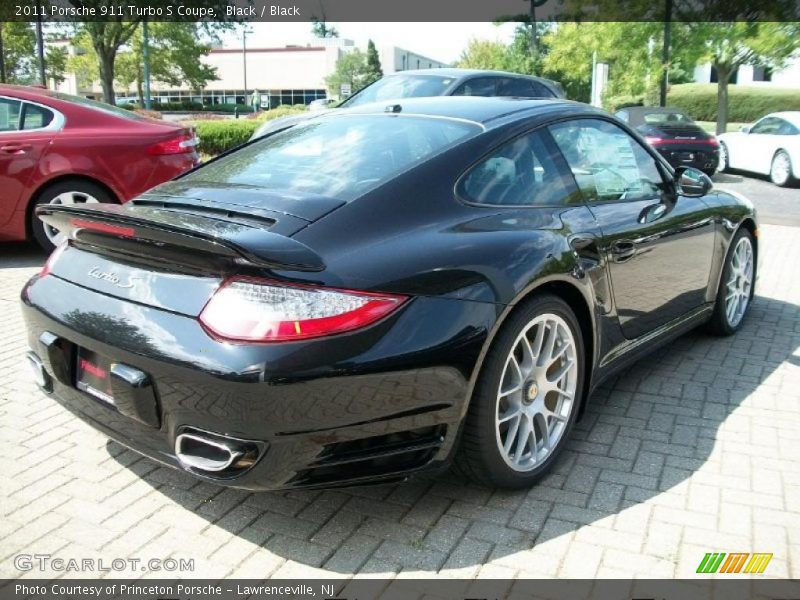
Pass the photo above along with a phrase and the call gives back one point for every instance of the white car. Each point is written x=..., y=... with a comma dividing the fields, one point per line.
x=770, y=147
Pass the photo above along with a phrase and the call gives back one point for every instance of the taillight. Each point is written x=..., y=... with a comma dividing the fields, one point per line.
x=51, y=260
x=119, y=230
x=253, y=310
x=654, y=141
x=181, y=144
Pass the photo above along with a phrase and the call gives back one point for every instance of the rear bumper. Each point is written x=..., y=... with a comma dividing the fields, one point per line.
x=377, y=405
x=691, y=156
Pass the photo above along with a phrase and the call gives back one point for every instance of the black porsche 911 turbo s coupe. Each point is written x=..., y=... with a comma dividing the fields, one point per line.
x=357, y=298
x=675, y=135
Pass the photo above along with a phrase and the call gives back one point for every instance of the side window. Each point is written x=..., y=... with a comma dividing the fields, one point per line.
x=767, y=125
x=540, y=91
x=786, y=128
x=36, y=117
x=523, y=172
x=9, y=114
x=478, y=86
x=607, y=163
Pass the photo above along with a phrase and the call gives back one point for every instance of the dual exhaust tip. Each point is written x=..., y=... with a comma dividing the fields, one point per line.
x=214, y=454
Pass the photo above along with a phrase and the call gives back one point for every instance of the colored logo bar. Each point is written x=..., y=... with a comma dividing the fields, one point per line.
x=735, y=562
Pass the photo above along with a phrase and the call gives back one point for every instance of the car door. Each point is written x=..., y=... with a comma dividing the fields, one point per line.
x=758, y=146
x=25, y=132
x=658, y=247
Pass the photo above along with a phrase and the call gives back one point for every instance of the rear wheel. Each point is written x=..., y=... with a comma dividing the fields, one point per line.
x=527, y=396
x=66, y=192
x=736, y=286
x=780, y=172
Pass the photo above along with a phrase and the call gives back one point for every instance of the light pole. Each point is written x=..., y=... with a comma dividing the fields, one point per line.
x=2, y=57
x=40, y=42
x=244, y=59
x=146, y=60
x=665, y=53
x=534, y=33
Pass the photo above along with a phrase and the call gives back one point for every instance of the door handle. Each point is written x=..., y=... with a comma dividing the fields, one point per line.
x=623, y=250
x=580, y=241
x=15, y=148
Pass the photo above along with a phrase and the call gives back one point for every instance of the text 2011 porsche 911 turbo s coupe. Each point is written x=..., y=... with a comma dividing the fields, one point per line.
x=368, y=294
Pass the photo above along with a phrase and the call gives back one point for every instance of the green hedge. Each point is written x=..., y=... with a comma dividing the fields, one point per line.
x=745, y=103
x=218, y=136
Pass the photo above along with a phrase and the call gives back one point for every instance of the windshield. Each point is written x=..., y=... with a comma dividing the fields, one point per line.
x=400, y=86
x=101, y=106
x=341, y=157
x=657, y=118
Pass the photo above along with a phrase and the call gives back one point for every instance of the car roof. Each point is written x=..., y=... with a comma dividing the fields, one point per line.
x=651, y=109
x=793, y=116
x=484, y=110
x=458, y=73
x=25, y=92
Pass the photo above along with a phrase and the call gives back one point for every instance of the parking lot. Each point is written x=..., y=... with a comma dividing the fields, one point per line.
x=694, y=449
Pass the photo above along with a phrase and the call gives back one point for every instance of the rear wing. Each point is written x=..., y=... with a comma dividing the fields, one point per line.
x=105, y=224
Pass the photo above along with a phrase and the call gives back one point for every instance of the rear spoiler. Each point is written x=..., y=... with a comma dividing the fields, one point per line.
x=100, y=224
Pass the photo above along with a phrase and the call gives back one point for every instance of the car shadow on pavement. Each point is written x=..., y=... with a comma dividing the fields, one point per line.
x=652, y=453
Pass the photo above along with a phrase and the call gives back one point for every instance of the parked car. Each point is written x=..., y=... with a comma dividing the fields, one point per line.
x=675, y=135
x=372, y=293
x=61, y=149
x=770, y=147
x=434, y=82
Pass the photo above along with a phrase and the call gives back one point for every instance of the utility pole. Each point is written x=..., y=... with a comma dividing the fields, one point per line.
x=40, y=42
x=534, y=29
x=244, y=60
x=665, y=52
x=2, y=57
x=146, y=59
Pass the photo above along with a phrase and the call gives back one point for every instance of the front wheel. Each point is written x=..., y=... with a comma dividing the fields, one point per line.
x=724, y=162
x=527, y=396
x=780, y=172
x=67, y=192
x=736, y=286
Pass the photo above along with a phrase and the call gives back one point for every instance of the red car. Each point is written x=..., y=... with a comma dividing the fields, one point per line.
x=61, y=149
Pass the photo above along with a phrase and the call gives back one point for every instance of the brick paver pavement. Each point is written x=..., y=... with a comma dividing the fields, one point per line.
x=694, y=449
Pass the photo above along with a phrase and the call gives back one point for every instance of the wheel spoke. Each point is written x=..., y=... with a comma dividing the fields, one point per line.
x=513, y=412
x=511, y=434
x=562, y=370
x=522, y=439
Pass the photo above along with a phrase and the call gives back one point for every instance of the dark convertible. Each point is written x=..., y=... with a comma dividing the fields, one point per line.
x=374, y=292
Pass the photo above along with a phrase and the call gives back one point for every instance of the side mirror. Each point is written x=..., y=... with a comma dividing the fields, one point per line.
x=691, y=182
x=745, y=128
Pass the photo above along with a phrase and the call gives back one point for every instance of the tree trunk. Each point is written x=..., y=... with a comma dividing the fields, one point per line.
x=107, y=58
x=140, y=91
x=723, y=78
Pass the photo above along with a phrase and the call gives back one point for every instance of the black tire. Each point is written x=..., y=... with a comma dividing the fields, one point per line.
x=789, y=180
x=719, y=324
x=479, y=456
x=81, y=187
x=724, y=165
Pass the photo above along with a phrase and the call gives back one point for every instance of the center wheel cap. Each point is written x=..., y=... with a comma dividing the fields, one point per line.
x=532, y=392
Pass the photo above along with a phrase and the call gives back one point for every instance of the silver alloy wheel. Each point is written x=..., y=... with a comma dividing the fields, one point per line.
x=53, y=234
x=537, y=392
x=740, y=282
x=723, y=157
x=781, y=167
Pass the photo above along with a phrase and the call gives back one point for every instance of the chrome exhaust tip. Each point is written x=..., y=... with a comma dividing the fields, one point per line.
x=38, y=372
x=204, y=454
x=215, y=454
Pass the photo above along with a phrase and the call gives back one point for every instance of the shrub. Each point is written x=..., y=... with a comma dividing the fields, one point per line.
x=745, y=103
x=281, y=111
x=218, y=136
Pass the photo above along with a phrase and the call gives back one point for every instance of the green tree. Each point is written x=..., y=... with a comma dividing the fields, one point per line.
x=727, y=46
x=321, y=29
x=374, y=70
x=351, y=68
x=55, y=64
x=176, y=53
x=483, y=54
x=19, y=50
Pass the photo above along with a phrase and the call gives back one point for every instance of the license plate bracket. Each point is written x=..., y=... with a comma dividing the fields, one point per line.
x=94, y=375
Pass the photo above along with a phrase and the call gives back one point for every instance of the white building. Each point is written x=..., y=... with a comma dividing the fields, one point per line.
x=285, y=75
x=788, y=77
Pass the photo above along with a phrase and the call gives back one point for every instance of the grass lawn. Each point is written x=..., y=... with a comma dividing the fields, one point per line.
x=711, y=126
